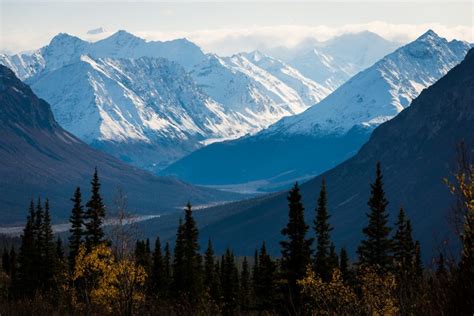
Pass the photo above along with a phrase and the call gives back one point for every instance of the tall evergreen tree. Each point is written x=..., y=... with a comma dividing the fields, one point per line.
x=322, y=264
x=209, y=265
x=229, y=283
x=333, y=259
x=245, y=286
x=192, y=258
x=25, y=282
x=49, y=263
x=403, y=245
x=179, y=278
x=296, y=250
x=76, y=231
x=94, y=215
x=143, y=255
x=375, y=249
x=344, y=265
x=167, y=269
x=265, y=283
x=157, y=271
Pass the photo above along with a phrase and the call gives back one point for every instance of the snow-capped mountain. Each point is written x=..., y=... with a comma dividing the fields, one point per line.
x=261, y=89
x=65, y=49
x=380, y=92
x=331, y=131
x=146, y=101
x=114, y=94
x=332, y=62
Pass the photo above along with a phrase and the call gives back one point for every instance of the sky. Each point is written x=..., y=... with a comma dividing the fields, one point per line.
x=227, y=27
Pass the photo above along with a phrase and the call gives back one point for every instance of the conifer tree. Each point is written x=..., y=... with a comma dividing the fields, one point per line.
x=179, y=278
x=94, y=215
x=255, y=272
x=418, y=261
x=25, y=282
x=322, y=264
x=167, y=269
x=192, y=258
x=375, y=249
x=403, y=245
x=265, y=286
x=158, y=269
x=245, y=286
x=344, y=265
x=49, y=264
x=229, y=283
x=333, y=259
x=77, y=225
x=296, y=250
x=210, y=276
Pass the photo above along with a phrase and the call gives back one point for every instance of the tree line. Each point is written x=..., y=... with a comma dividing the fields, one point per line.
x=99, y=275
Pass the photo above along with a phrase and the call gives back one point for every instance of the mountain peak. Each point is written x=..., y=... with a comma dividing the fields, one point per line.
x=64, y=37
x=429, y=35
x=122, y=36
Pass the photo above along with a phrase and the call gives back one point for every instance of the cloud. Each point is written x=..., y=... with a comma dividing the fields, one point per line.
x=226, y=41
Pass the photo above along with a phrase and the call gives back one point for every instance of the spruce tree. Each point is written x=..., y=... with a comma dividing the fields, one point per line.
x=296, y=250
x=94, y=215
x=167, y=269
x=265, y=286
x=375, y=249
x=229, y=283
x=157, y=271
x=344, y=265
x=76, y=231
x=49, y=261
x=245, y=287
x=209, y=268
x=25, y=282
x=179, y=278
x=403, y=245
x=333, y=259
x=192, y=258
x=322, y=264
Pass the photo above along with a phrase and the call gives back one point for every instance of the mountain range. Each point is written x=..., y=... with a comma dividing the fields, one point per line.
x=114, y=95
x=38, y=158
x=417, y=151
x=300, y=146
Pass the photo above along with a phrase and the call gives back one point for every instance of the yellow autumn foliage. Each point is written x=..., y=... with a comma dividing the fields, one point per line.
x=378, y=292
x=102, y=281
x=331, y=298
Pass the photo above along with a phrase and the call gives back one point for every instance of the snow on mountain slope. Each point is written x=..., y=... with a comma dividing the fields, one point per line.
x=307, y=144
x=259, y=93
x=332, y=62
x=254, y=97
x=380, y=92
x=145, y=100
x=309, y=91
x=65, y=49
